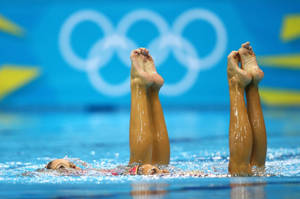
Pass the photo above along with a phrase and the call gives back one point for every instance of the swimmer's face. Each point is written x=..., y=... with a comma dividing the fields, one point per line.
x=61, y=164
x=148, y=169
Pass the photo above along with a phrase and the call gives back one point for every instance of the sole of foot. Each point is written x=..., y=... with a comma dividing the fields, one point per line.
x=143, y=70
x=249, y=63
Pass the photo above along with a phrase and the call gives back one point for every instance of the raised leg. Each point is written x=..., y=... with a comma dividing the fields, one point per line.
x=161, y=145
x=141, y=128
x=259, y=148
x=240, y=133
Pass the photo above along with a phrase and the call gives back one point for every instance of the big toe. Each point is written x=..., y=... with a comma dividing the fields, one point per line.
x=246, y=45
x=246, y=50
x=144, y=52
x=233, y=55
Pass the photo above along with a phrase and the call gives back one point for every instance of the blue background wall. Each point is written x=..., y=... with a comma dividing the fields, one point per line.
x=87, y=65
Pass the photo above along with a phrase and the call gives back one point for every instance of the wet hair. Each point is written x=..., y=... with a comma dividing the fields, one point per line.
x=60, y=165
x=154, y=170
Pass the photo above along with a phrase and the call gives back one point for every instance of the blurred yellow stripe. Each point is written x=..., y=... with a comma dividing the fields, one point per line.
x=280, y=97
x=13, y=77
x=280, y=61
x=290, y=29
x=10, y=27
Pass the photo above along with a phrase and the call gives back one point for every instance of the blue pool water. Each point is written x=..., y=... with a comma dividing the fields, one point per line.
x=199, y=141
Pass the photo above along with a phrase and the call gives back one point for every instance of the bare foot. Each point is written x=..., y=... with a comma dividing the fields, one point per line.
x=235, y=74
x=143, y=69
x=249, y=63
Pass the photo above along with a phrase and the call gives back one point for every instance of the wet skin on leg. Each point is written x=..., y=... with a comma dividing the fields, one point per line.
x=149, y=142
x=161, y=145
x=140, y=130
x=240, y=133
x=259, y=148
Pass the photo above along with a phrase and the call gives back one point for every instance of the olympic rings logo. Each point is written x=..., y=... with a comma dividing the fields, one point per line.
x=115, y=41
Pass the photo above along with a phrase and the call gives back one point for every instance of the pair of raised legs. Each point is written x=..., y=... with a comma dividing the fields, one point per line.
x=149, y=141
x=247, y=133
x=148, y=136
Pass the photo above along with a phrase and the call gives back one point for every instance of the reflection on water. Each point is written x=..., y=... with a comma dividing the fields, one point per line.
x=242, y=188
x=152, y=190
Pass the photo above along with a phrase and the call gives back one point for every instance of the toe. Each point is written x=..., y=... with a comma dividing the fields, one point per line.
x=233, y=58
x=246, y=49
x=144, y=52
x=133, y=53
x=246, y=45
x=232, y=62
x=233, y=55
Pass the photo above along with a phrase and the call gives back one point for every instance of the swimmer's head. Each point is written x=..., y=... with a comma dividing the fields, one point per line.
x=148, y=169
x=58, y=164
